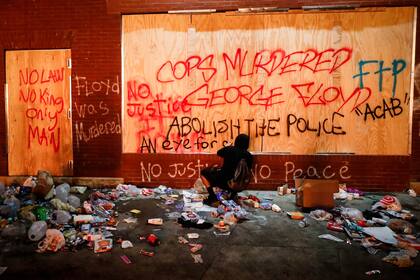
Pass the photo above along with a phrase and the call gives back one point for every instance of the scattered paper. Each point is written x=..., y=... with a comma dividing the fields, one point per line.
x=193, y=235
x=130, y=220
x=221, y=233
x=78, y=189
x=135, y=211
x=195, y=247
x=383, y=234
x=125, y=259
x=373, y=272
x=182, y=240
x=197, y=258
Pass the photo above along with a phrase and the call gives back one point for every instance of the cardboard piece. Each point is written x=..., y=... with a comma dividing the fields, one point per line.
x=311, y=193
x=102, y=245
x=415, y=186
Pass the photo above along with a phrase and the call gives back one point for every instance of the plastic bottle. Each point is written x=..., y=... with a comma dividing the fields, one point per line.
x=37, y=230
x=379, y=221
x=74, y=201
x=62, y=192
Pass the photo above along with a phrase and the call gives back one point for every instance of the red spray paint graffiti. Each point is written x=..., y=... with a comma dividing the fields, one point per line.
x=44, y=108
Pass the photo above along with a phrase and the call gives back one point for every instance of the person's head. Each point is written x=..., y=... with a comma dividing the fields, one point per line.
x=242, y=142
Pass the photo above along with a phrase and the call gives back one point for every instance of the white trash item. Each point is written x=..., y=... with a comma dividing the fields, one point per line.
x=126, y=244
x=61, y=217
x=74, y=201
x=37, y=230
x=62, y=192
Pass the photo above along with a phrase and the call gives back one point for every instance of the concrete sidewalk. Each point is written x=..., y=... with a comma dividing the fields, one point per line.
x=268, y=246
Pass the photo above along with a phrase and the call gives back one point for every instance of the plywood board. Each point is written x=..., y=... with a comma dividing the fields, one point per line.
x=39, y=126
x=300, y=83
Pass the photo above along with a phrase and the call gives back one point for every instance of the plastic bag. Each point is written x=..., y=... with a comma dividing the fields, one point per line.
x=74, y=201
x=275, y=208
x=128, y=190
x=62, y=192
x=390, y=202
x=44, y=184
x=37, y=230
x=14, y=205
x=200, y=187
x=30, y=182
x=27, y=214
x=266, y=205
x=352, y=214
x=320, y=215
x=341, y=194
x=53, y=241
x=59, y=205
x=60, y=217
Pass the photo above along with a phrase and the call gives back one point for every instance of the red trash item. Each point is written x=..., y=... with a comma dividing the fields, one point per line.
x=254, y=198
x=334, y=226
x=362, y=223
x=152, y=239
x=296, y=215
x=388, y=200
x=125, y=259
x=146, y=253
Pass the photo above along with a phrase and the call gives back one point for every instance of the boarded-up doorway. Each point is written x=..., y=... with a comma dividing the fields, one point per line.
x=38, y=104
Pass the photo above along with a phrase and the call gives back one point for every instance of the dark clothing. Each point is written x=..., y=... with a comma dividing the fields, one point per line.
x=219, y=176
x=231, y=158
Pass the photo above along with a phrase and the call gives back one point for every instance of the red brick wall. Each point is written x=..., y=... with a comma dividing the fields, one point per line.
x=92, y=30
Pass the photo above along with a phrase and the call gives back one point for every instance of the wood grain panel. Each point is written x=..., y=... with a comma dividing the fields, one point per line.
x=298, y=82
x=39, y=130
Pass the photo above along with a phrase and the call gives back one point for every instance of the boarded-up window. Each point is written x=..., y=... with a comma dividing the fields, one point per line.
x=298, y=82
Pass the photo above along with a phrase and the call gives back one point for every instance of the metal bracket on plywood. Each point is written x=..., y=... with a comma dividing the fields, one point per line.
x=70, y=164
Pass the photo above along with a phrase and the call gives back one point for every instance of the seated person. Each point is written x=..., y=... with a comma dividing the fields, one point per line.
x=219, y=176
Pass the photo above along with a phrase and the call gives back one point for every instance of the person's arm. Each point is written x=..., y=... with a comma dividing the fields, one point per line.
x=223, y=152
x=250, y=160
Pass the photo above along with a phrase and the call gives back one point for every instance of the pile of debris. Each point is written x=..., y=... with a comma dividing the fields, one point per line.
x=386, y=226
x=65, y=217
